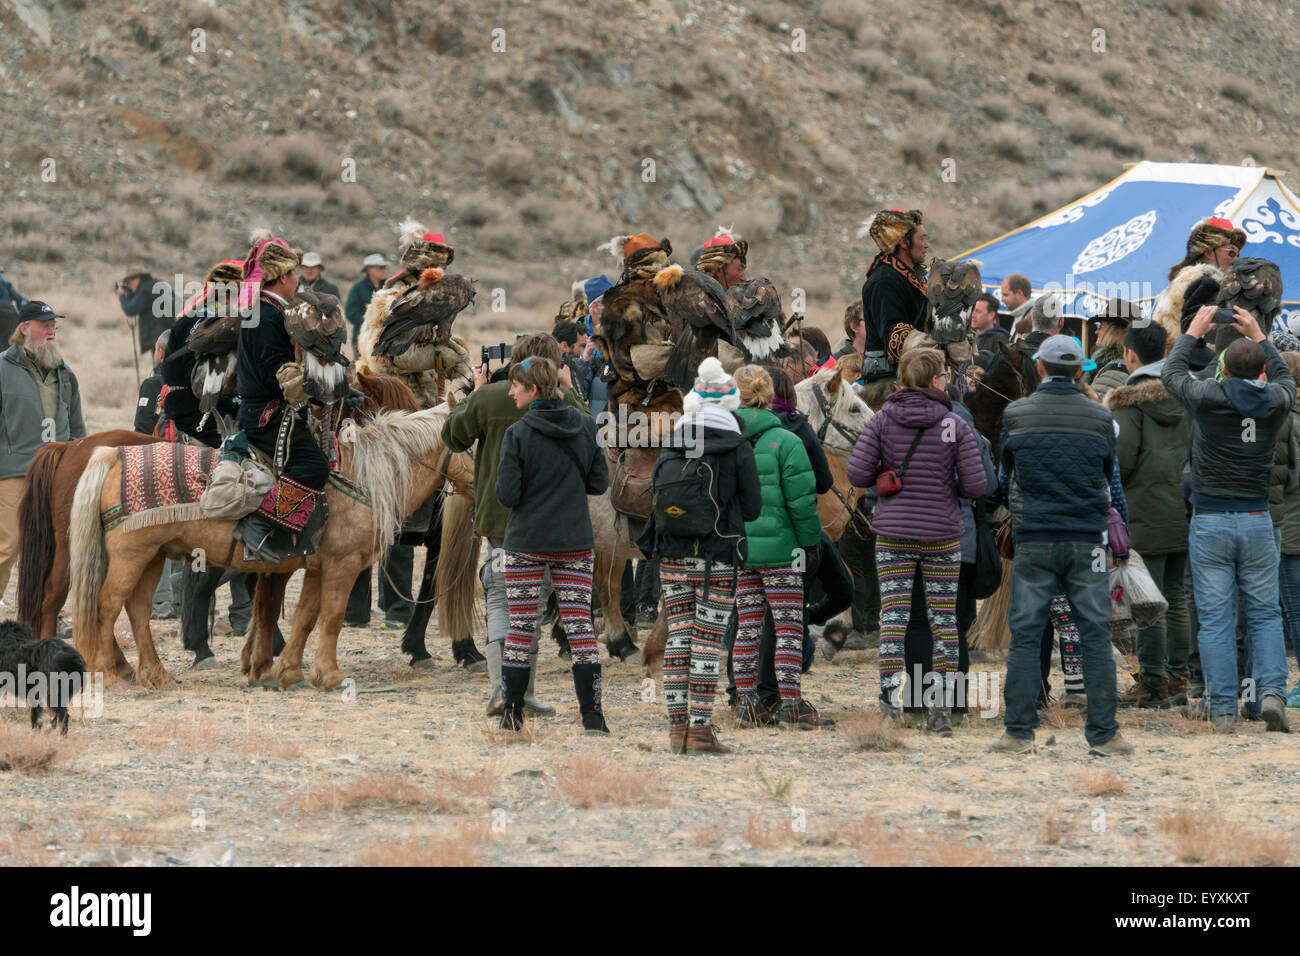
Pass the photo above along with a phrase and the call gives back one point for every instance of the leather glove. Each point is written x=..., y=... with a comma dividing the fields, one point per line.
x=353, y=400
x=290, y=377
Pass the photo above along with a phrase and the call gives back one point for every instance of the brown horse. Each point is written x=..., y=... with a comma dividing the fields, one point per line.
x=397, y=458
x=43, y=518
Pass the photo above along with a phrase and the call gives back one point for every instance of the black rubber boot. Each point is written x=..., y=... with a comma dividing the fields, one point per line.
x=586, y=682
x=515, y=683
x=259, y=534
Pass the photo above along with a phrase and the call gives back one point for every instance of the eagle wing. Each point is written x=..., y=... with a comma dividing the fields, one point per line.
x=1255, y=285
x=422, y=314
x=318, y=329
x=215, y=335
x=759, y=316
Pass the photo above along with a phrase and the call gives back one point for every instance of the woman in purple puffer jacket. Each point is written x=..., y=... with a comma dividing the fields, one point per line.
x=921, y=524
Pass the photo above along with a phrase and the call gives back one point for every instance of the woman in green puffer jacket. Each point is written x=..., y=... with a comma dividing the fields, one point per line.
x=783, y=543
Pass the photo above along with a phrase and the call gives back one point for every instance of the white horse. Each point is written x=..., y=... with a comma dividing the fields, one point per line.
x=837, y=414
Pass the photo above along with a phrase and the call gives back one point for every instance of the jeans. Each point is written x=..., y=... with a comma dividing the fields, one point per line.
x=1289, y=587
x=1042, y=570
x=1235, y=557
x=1162, y=648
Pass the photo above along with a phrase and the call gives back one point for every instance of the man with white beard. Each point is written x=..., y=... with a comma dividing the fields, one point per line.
x=40, y=402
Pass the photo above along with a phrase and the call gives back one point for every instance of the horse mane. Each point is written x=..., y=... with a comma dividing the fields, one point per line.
x=384, y=393
x=382, y=463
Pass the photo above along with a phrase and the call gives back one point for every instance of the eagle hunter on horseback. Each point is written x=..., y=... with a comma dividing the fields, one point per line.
x=407, y=334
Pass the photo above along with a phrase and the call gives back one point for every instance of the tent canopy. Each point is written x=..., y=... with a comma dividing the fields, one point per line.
x=1120, y=241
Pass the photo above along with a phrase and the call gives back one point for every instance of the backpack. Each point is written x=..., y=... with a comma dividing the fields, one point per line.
x=684, y=499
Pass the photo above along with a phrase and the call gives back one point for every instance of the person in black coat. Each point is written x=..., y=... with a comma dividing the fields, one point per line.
x=149, y=302
x=270, y=385
x=148, y=405
x=893, y=297
x=550, y=461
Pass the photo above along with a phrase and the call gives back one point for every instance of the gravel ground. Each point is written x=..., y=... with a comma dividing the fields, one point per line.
x=406, y=770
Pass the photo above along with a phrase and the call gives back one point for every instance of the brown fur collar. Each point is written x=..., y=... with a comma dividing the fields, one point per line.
x=1169, y=307
x=1144, y=392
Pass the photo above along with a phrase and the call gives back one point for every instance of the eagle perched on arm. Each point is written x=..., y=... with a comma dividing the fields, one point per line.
x=760, y=319
x=408, y=322
x=952, y=290
x=700, y=313
x=315, y=323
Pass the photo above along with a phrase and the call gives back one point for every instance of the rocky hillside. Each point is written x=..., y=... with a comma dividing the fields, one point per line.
x=529, y=132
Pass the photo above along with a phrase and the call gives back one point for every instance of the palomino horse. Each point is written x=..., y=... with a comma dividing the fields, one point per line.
x=396, y=461
x=837, y=415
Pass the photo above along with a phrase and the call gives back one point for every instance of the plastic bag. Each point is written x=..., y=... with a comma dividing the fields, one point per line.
x=1120, y=609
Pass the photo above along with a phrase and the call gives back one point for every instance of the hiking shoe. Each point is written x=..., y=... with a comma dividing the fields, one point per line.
x=647, y=614
x=801, y=715
x=1145, y=693
x=753, y=711
x=347, y=623
x=1177, y=691
x=938, y=720
x=392, y=625
x=1293, y=698
x=1224, y=723
x=1006, y=744
x=1273, y=710
x=1074, y=701
x=1117, y=746
x=702, y=740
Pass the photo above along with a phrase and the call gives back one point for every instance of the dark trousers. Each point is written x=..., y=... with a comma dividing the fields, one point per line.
x=304, y=462
x=859, y=556
x=647, y=583
x=1044, y=569
x=918, y=642
x=397, y=563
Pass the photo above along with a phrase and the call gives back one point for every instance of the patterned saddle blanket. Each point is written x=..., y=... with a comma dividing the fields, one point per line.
x=161, y=483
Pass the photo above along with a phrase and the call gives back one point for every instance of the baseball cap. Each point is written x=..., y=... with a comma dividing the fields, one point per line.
x=1064, y=350
x=311, y=259
x=374, y=259
x=37, y=312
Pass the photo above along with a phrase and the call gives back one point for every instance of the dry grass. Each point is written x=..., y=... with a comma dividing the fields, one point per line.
x=1101, y=783
x=776, y=788
x=453, y=849
x=1053, y=831
x=1013, y=142
x=42, y=752
x=484, y=782
x=760, y=835
x=511, y=167
x=709, y=834
x=1204, y=836
x=873, y=732
x=590, y=781
x=376, y=790
x=1058, y=716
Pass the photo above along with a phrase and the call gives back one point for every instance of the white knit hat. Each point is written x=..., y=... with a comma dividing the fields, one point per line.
x=713, y=385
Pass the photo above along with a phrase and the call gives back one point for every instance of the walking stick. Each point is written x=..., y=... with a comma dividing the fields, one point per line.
x=135, y=348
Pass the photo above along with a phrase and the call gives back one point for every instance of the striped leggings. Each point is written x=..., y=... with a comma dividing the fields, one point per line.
x=696, y=627
x=1071, y=651
x=896, y=563
x=571, y=578
x=782, y=590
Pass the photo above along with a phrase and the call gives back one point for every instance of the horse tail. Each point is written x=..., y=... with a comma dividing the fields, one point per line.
x=384, y=393
x=457, y=568
x=86, y=540
x=36, y=531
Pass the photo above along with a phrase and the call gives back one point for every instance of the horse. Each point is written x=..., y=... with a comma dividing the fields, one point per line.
x=395, y=461
x=837, y=415
x=1001, y=384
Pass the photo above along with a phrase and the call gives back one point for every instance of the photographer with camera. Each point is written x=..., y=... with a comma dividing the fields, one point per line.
x=480, y=422
x=148, y=302
x=1232, y=546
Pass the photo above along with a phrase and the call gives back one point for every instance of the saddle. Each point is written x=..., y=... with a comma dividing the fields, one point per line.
x=630, y=488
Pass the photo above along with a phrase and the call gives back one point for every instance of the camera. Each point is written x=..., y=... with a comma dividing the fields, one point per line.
x=495, y=353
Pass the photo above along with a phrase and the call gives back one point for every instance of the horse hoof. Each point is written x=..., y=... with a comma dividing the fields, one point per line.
x=625, y=650
x=423, y=664
x=474, y=667
x=206, y=664
x=303, y=684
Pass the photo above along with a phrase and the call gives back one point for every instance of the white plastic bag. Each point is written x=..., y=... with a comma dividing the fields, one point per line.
x=1146, y=604
x=1121, y=613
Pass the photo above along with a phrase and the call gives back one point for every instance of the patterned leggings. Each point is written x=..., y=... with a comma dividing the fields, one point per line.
x=696, y=627
x=782, y=590
x=1071, y=652
x=571, y=577
x=896, y=563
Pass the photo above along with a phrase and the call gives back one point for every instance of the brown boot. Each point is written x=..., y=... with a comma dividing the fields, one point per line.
x=677, y=737
x=1145, y=692
x=1177, y=691
x=702, y=740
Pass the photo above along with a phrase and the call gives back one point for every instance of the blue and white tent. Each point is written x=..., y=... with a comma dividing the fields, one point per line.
x=1120, y=240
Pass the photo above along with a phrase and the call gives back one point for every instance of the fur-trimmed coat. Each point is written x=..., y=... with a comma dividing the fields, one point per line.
x=1154, y=432
x=1169, y=306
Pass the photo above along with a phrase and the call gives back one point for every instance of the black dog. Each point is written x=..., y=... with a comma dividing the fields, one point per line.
x=60, y=665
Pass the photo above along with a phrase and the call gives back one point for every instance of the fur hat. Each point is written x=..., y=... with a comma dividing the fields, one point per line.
x=720, y=251
x=1206, y=237
x=888, y=227
x=420, y=249
x=268, y=259
x=713, y=385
